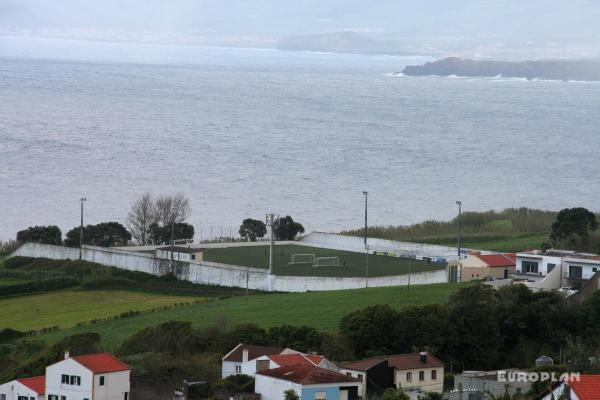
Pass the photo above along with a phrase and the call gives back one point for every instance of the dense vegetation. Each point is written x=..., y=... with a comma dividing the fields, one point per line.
x=478, y=328
x=513, y=229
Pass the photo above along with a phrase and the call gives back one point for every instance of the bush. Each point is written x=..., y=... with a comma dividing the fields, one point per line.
x=38, y=286
x=10, y=334
x=17, y=262
x=7, y=248
x=41, y=234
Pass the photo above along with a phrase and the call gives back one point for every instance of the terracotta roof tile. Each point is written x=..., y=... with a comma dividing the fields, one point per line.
x=587, y=388
x=363, y=365
x=413, y=361
x=284, y=360
x=101, y=363
x=307, y=375
x=35, y=383
x=498, y=260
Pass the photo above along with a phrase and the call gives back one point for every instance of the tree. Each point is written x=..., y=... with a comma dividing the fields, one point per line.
x=394, y=394
x=290, y=394
x=106, y=234
x=171, y=209
x=162, y=234
x=286, y=228
x=573, y=223
x=41, y=234
x=371, y=331
x=140, y=217
x=252, y=229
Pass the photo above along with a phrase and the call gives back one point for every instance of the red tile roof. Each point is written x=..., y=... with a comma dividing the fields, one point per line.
x=307, y=375
x=35, y=383
x=284, y=360
x=413, y=361
x=101, y=363
x=253, y=352
x=587, y=388
x=498, y=260
x=364, y=365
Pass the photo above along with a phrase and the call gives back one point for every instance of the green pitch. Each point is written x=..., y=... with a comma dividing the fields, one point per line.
x=352, y=264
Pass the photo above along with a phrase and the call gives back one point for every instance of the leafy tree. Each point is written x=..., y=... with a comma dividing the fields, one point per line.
x=237, y=384
x=573, y=223
x=162, y=234
x=290, y=394
x=106, y=234
x=286, y=228
x=423, y=328
x=371, y=331
x=41, y=234
x=252, y=229
x=394, y=394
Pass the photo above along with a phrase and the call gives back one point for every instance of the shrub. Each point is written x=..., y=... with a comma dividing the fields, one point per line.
x=17, y=262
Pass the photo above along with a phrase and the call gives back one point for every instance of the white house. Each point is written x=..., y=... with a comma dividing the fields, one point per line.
x=309, y=382
x=263, y=363
x=232, y=362
x=90, y=377
x=24, y=389
x=574, y=268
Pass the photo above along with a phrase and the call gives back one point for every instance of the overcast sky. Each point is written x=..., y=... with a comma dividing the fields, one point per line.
x=573, y=20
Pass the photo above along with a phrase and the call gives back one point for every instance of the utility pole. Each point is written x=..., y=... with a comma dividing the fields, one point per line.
x=366, y=194
x=409, y=272
x=270, y=223
x=172, y=235
x=83, y=199
x=459, y=204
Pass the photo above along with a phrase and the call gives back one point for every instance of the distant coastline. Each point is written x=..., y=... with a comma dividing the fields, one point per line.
x=561, y=70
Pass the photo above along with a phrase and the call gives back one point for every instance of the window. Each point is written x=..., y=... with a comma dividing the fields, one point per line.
x=348, y=374
x=52, y=397
x=102, y=381
x=433, y=374
x=193, y=256
x=320, y=396
x=409, y=377
x=75, y=380
x=2, y=397
x=63, y=397
x=64, y=379
x=551, y=267
x=529, y=267
x=22, y=398
x=594, y=269
x=238, y=369
x=32, y=398
x=421, y=376
x=126, y=396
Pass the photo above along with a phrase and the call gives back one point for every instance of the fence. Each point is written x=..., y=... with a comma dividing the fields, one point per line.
x=219, y=274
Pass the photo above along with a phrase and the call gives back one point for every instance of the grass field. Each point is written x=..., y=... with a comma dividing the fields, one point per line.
x=322, y=310
x=510, y=244
x=67, y=307
x=352, y=264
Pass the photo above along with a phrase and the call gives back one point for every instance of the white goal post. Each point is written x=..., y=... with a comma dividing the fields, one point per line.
x=327, y=262
x=302, y=259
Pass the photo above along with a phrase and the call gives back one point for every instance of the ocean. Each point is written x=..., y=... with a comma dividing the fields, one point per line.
x=243, y=132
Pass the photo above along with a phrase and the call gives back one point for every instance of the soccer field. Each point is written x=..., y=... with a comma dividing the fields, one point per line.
x=352, y=264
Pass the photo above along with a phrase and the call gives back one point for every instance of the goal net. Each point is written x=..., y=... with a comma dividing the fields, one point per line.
x=327, y=262
x=302, y=259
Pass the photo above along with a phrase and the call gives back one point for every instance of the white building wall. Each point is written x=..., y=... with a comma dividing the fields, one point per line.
x=272, y=388
x=250, y=367
x=116, y=384
x=222, y=274
x=362, y=375
x=13, y=389
x=228, y=368
x=542, y=260
x=72, y=392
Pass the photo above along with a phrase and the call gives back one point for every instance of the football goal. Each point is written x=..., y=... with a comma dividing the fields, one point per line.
x=327, y=262
x=302, y=259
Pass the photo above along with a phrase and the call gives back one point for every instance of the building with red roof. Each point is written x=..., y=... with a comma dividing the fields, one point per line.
x=285, y=360
x=482, y=266
x=310, y=382
x=582, y=387
x=88, y=377
x=232, y=362
x=30, y=388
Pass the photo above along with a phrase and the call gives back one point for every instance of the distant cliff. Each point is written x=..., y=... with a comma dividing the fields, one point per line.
x=564, y=70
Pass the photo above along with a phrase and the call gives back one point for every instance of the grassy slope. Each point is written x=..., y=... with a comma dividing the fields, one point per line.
x=67, y=307
x=322, y=310
x=495, y=243
x=258, y=256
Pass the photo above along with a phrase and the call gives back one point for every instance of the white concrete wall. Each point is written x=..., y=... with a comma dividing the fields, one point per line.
x=272, y=388
x=222, y=274
x=228, y=368
x=73, y=392
x=13, y=389
x=355, y=243
x=116, y=384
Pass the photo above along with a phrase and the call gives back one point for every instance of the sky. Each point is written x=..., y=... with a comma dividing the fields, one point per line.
x=573, y=21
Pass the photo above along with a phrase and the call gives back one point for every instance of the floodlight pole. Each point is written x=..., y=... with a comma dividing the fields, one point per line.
x=83, y=199
x=270, y=222
x=459, y=204
x=366, y=194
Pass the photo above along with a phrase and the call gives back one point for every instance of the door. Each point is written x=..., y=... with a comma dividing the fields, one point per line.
x=506, y=273
x=343, y=395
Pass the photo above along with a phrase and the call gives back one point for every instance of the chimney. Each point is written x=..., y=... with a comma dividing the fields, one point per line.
x=67, y=354
x=423, y=357
x=245, y=356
